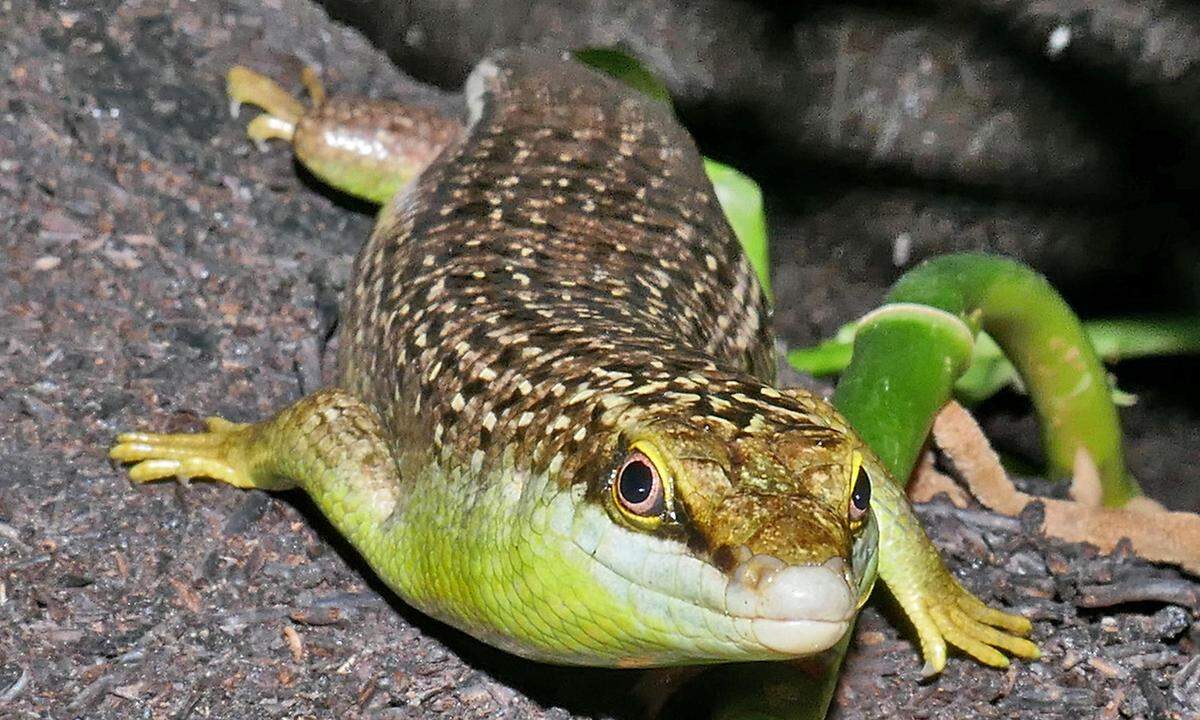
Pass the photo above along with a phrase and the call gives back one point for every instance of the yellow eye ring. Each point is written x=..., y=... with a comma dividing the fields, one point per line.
x=641, y=489
x=858, y=491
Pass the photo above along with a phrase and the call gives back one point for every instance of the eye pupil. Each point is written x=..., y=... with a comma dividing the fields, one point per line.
x=636, y=483
x=638, y=489
x=861, y=496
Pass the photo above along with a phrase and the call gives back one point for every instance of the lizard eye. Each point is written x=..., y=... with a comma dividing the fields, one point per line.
x=860, y=496
x=638, y=489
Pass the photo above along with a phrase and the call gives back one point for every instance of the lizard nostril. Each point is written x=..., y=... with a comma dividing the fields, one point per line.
x=754, y=571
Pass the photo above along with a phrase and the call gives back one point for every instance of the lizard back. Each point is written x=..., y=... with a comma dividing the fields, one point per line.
x=570, y=232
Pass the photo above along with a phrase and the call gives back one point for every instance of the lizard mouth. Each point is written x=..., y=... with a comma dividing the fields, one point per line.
x=793, y=609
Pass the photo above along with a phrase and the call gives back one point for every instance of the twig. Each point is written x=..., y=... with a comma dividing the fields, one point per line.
x=95, y=689
x=1166, y=590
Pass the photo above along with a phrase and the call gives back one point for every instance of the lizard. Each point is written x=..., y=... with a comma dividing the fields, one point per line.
x=555, y=423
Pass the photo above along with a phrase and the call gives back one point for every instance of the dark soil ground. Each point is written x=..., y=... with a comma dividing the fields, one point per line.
x=155, y=268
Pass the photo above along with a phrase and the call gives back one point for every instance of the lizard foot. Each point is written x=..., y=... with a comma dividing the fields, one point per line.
x=283, y=111
x=940, y=609
x=946, y=612
x=213, y=454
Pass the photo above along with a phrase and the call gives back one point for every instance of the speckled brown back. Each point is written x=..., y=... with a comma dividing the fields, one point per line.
x=569, y=243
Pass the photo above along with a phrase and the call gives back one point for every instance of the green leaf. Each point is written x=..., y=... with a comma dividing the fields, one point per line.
x=742, y=202
x=626, y=69
x=990, y=371
x=1142, y=337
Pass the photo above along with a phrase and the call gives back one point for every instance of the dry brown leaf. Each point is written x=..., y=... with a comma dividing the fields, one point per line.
x=928, y=482
x=1169, y=537
x=1086, y=487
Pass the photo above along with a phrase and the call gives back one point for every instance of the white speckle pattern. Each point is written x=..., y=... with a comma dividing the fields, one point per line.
x=562, y=264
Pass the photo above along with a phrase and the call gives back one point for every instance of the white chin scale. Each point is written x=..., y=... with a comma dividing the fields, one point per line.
x=794, y=609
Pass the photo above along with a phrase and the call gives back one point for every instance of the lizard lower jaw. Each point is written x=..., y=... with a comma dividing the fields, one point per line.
x=798, y=637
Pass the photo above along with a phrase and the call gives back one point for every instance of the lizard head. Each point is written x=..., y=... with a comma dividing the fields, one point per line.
x=761, y=500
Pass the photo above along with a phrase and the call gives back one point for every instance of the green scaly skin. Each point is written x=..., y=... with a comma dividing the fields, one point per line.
x=555, y=294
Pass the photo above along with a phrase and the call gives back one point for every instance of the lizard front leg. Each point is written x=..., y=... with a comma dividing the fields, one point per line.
x=941, y=610
x=329, y=444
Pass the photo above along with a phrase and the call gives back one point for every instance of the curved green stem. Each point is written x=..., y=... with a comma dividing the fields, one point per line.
x=906, y=359
x=1064, y=376
x=1114, y=340
x=1049, y=349
x=908, y=355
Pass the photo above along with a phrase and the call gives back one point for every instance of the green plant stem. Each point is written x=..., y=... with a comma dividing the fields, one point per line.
x=909, y=354
x=906, y=360
x=1046, y=344
x=1114, y=340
